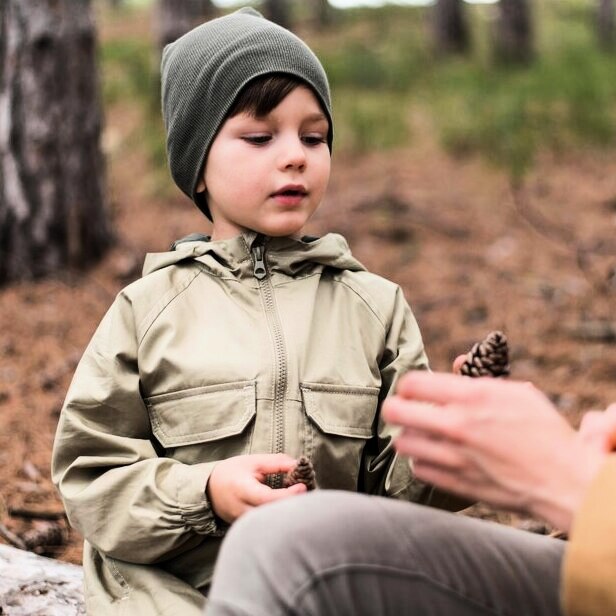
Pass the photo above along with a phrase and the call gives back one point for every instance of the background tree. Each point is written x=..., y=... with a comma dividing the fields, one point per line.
x=176, y=17
x=606, y=24
x=450, y=27
x=278, y=11
x=323, y=12
x=52, y=206
x=514, y=32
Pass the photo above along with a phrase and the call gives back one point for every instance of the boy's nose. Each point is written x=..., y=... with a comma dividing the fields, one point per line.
x=293, y=155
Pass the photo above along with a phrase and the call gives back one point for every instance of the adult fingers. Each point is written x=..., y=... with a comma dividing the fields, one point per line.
x=424, y=449
x=442, y=388
x=598, y=429
x=457, y=364
x=446, y=422
x=441, y=478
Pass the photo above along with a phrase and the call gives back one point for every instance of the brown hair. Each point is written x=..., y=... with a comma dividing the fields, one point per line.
x=262, y=94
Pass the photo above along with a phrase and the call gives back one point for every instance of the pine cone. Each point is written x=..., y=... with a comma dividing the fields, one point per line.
x=488, y=358
x=302, y=473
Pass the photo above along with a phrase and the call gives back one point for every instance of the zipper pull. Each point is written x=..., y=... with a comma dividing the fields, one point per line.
x=259, y=270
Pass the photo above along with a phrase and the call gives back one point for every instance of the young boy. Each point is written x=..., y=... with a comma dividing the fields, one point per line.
x=234, y=354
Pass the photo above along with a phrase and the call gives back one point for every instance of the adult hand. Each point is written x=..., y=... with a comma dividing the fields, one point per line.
x=598, y=429
x=236, y=484
x=456, y=365
x=497, y=441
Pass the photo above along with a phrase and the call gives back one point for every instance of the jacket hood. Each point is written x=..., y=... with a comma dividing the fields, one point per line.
x=233, y=256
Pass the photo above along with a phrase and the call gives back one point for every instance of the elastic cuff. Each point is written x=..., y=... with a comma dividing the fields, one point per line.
x=192, y=501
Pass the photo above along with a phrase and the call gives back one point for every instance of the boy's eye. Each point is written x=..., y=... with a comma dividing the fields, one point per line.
x=314, y=139
x=256, y=139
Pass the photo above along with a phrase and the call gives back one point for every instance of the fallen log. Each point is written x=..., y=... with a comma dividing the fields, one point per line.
x=33, y=585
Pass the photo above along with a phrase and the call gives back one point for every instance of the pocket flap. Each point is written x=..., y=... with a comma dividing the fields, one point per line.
x=202, y=414
x=341, y=410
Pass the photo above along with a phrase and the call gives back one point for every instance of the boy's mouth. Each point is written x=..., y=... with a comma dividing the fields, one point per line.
x=291, y=190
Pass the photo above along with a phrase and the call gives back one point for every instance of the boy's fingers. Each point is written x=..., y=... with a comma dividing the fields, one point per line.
x=273, y=463
x=258, y=494
x=298, y=488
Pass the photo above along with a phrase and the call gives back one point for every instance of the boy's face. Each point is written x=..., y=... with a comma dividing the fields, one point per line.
x=268, y=174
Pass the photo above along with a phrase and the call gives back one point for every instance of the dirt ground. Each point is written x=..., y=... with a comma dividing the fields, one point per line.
x=470, y=257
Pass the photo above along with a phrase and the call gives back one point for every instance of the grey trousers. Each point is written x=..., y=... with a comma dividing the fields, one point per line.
x=338, y=553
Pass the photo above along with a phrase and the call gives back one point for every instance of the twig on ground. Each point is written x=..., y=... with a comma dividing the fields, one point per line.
x=31, y=514
x=11, y=537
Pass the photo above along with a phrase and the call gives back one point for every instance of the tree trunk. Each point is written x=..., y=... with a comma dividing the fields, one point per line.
x=323, y=13
x=278, y=11
x=52, y=206
x=450, y=28
x=514, y=35
x=606, y=24
x=177, y=17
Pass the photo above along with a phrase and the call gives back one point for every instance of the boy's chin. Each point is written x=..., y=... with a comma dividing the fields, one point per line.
x=282, y=230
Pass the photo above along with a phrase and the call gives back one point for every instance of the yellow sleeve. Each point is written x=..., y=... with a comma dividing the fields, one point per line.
x=589, y=569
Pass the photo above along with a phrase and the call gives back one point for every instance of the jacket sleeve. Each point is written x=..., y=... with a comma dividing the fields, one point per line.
x=589, y=568
x=385, y=472
x=127, y=501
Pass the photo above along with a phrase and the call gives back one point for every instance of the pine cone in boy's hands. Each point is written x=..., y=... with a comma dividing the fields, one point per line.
x=488, y=358
x=302, y=473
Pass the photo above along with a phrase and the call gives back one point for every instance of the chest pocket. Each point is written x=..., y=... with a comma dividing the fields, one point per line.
x=339, y=421
x=204, y=424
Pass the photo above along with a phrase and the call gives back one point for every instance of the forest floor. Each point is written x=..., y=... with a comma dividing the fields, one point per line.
x=470, y=256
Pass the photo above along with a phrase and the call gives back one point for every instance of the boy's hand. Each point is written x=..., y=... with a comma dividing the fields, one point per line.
x=236, y=485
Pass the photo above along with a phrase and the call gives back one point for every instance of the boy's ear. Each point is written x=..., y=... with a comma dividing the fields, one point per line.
x=201, y=186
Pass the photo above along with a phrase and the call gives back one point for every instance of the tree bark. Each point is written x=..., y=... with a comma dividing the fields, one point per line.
x=514, y=34
x=52, y=205
x=606, y=24
x=450, y=28
x=176, y=17
x=278, y=11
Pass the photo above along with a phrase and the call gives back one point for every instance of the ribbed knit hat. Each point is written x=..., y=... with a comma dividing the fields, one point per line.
x=203, y=72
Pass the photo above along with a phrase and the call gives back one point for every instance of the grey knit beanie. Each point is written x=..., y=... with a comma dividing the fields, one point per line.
x=203, y=72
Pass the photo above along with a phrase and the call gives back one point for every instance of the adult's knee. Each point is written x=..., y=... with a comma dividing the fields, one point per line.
x=297, y=528
x=284, y=523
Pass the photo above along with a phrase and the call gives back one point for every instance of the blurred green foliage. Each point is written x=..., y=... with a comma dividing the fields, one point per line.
x=382, y=67
x=131, y=75
x=566, y=97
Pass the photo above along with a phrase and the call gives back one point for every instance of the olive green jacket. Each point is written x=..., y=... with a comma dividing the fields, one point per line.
x=248, y=345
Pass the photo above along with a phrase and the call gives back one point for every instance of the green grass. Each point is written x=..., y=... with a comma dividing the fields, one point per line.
x=507, y=115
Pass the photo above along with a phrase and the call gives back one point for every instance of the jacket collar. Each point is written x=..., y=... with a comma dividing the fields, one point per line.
x=235, y=257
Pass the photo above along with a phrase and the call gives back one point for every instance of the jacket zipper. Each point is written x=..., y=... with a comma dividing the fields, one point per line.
x=280, y=354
